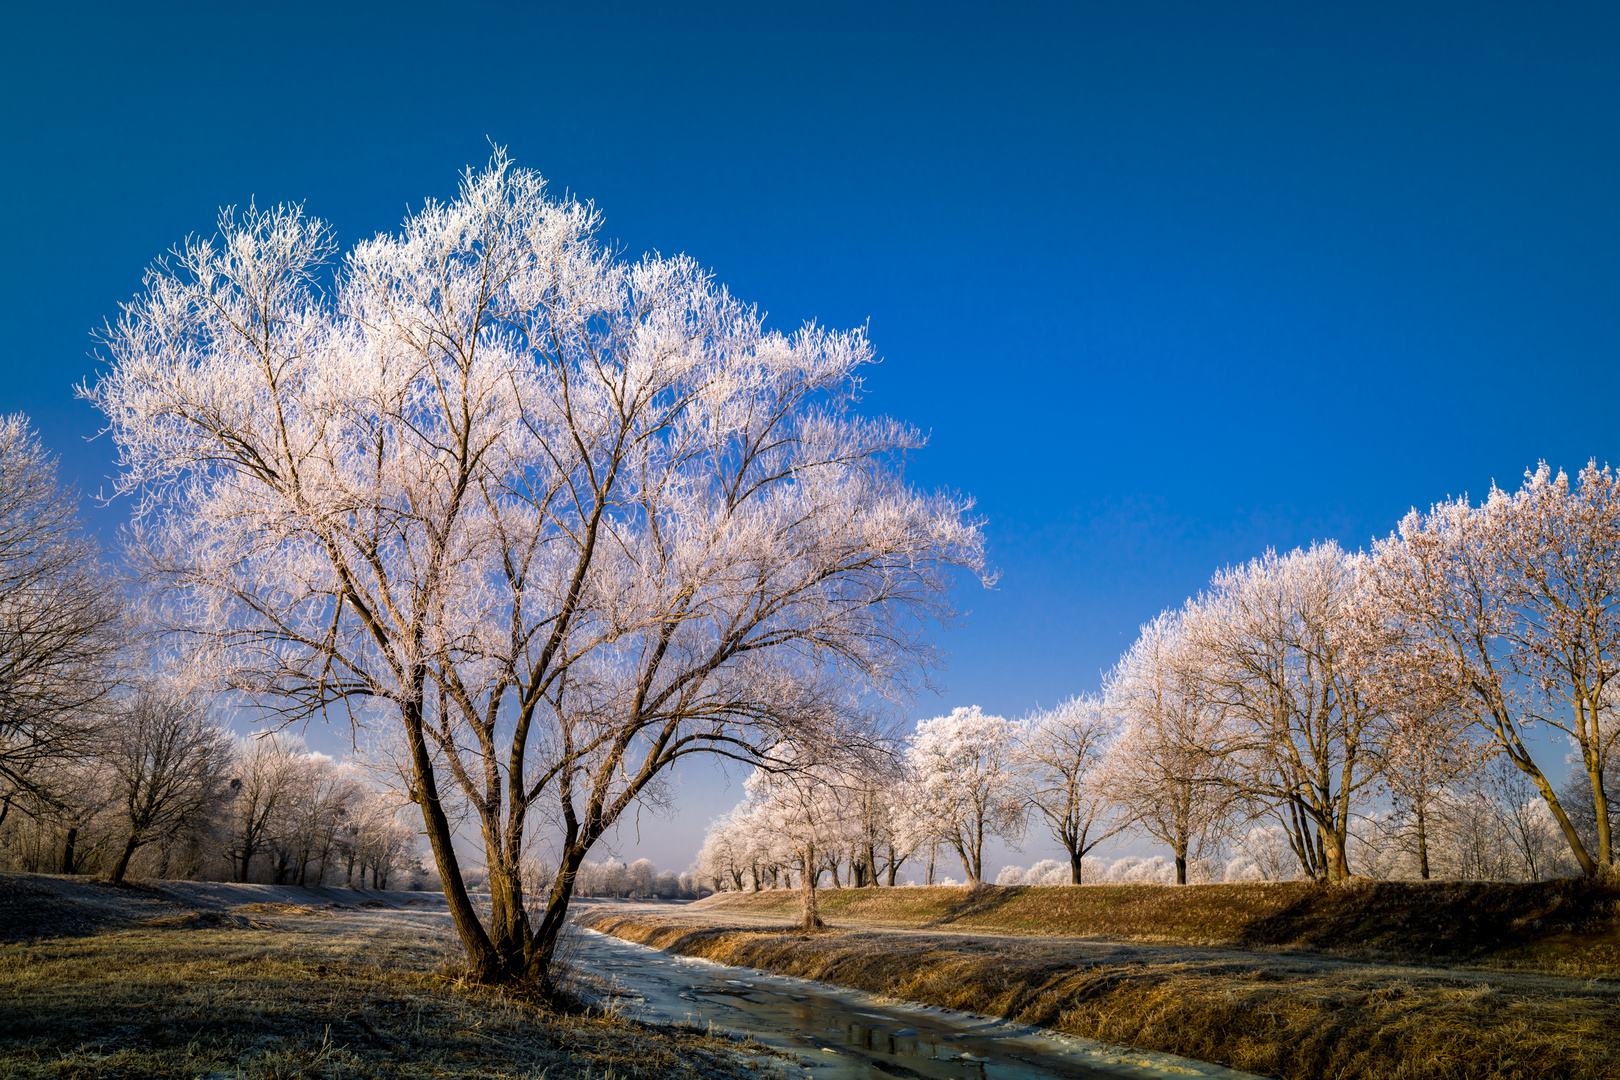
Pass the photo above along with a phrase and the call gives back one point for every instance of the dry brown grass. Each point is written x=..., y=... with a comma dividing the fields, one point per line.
x=228, y=995
x=1563, y=927
x=1281, y=1016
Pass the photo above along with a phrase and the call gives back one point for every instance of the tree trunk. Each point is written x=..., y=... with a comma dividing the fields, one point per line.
x=1527, y=765
x=1600, y=808
x=1338, y=862
x=1076, y=866
x=122, y=865
x=1181, y=868
x=1423, y=843
x=543, y=946
x=67, y=849
x=809, y=916
x=425, y=793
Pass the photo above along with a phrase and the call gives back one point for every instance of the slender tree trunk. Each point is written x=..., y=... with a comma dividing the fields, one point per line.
x=1600, y=807
x=1076, y=866
x=809, y=916
x=1423, y=841
x=122, y=864
x=67, y=849
x=1527, y=765
x=543, y=946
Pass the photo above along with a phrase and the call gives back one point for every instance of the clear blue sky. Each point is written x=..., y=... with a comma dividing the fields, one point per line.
x=1168, y=283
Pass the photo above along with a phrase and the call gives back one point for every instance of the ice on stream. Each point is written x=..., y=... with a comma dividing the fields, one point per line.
x=835, y=1033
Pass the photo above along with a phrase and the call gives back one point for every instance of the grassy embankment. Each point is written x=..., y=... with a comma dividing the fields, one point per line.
x=274, y=990
x=1274, y=1012
x=1557, y=927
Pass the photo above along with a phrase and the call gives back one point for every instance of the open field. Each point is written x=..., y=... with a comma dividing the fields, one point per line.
x=243, y=983
x=1192, y=972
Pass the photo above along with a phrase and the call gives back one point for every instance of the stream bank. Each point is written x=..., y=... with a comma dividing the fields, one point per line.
x=832, y=1033
x=1286, y=1015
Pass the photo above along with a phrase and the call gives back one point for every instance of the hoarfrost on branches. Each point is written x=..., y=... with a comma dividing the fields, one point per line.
x=568, y=517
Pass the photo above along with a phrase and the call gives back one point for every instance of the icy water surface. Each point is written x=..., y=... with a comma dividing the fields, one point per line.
x=836, y=1033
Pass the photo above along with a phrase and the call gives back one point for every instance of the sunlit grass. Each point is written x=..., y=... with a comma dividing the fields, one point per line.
x=272, y=1000
x=1559, y=927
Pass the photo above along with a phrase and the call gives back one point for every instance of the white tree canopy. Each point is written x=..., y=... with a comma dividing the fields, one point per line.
x=964, y=782
x=569, y=516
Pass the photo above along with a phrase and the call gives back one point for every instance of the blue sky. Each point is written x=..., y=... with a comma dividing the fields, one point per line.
x=1167, y=283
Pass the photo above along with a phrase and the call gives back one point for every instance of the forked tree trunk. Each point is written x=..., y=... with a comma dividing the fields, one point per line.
x=486, y=964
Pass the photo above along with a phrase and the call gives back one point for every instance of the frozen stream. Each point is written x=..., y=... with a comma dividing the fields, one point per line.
x=836, y=1033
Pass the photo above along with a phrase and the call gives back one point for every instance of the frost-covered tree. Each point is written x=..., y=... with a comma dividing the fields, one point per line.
x=802, y=802
x=1161, y=771
x=1275, y=643
x=1061, y=754
x=563, y=517
x=263, y=786
x=1513, y=607
x=964, y=781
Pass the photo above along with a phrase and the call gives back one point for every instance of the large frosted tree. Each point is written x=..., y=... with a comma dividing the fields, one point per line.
x=1278, y=647
x=1512, y=610
x=559, y=516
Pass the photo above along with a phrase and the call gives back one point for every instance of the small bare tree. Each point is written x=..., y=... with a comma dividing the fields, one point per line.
x=168, y=761
x=264, y=784
x=60, y=624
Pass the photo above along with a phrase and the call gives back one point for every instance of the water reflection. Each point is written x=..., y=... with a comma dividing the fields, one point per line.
x=835, y=1033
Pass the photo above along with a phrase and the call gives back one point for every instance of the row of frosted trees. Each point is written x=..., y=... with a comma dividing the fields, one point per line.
x=160, y=791
x=1440, y=704
x=640, y=880
x=109, y=764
